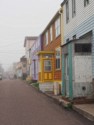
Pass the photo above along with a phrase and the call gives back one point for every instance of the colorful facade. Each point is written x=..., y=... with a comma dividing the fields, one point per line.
x=51, y=55
x=36, y=47
x=78, y=56
x=28, y=42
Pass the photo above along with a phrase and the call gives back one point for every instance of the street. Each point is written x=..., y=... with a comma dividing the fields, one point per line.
x=21, y=104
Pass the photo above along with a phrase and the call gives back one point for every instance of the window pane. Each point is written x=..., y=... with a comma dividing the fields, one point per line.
x=47, y=65
x=57, y=27
x=73, y=8
x=67, y=12
x=83, y=48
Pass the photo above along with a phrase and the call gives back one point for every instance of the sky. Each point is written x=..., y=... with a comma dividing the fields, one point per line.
x=20, y=18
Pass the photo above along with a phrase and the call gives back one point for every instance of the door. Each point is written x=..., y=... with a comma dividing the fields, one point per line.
x=48, y=70
x=66, y=76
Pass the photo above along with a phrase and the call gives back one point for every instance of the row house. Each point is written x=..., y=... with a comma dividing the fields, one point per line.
x=78, y=49
x=28, y=42
x=23, y=61
x=36, y=47
x=50, y=56
x=18, y=70
x=21, y=69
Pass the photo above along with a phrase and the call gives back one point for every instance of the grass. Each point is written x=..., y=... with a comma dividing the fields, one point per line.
x=36, y=85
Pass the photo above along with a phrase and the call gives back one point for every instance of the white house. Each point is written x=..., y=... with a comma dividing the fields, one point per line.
x=78, y=56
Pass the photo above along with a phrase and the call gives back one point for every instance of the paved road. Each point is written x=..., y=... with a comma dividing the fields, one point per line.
x=20, y=104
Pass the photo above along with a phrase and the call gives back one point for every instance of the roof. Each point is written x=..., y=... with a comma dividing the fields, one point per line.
x=69, y=42
x=63, y=2
x=52, y=20
x=29, y=38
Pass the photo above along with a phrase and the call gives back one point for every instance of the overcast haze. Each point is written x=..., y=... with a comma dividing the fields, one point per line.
x=20, y=18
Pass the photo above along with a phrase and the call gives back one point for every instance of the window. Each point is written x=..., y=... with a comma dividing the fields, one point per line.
x=67, y=12
x=46, y=38
x=83, y=47
x=47, y=65
x=58, y=58
x=86, y=2
x=73, y=8
x=51, y=36
x=57, y=27
x=34, y=68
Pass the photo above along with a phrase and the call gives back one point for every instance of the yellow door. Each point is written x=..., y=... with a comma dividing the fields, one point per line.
x=48, y=70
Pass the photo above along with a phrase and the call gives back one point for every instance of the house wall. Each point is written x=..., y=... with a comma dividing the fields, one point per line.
x=82, y=14
x=52, y=45
x=83, y=76
x=81, y=24
x=34, y=50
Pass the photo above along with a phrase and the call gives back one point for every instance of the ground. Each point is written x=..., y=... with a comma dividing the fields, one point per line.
x=21, y=104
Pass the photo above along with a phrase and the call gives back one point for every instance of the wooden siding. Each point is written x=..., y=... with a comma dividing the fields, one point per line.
x=81, y=24
x=52, y=45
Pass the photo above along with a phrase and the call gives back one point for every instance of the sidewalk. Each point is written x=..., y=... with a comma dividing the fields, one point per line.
x=87, y=110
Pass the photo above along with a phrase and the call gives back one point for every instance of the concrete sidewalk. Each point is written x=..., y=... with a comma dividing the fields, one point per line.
x=87, y=110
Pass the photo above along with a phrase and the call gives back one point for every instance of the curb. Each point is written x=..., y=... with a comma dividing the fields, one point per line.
x=68, y=105
x=84, y=113
x=59, y=101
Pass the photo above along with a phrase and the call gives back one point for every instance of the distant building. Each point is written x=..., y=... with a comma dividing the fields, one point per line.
x=50, y=56
x=36, y=47
x=28, y=42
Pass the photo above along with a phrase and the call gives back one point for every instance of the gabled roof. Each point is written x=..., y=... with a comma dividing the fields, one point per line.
x=52, y=20
x=29, y=38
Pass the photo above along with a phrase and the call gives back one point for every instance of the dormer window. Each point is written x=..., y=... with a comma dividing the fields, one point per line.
x=86, y=2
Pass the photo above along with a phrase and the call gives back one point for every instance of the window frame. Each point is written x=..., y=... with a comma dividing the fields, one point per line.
x=51, y=34
x=46, y=66
x=67, y=11
x=58, y=59
x=86, y=3
x=57, y=27
x=80, y=48
x=73, y=8
x=46, y=38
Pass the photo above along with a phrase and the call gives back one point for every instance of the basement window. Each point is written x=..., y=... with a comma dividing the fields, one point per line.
x=83, y=48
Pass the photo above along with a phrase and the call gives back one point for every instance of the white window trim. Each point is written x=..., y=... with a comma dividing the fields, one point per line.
x=57, y=27
x=46, y=38
x=67, y=11
x=73, y=8
x=86, y=3
x=58, y=49
x=51, y=34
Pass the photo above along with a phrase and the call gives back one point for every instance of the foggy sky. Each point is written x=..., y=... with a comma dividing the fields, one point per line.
x=20, y=18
